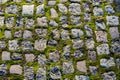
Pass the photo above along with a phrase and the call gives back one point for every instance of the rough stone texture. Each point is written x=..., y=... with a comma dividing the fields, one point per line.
x=81, y=66
x=27, y=9
x=42, y=59
x=41, y=74
x=112, y=20
x=3, y=69
x=115, y=47
x=29, y=57
x=40, y=9
x=92, y=55
x=5, y=55
x=109, y=75
x=114, y=32
x=54, y=13
x=54, y=56
x=77, y=43
x=81, y=77
x=16, y=69
x=42, y=21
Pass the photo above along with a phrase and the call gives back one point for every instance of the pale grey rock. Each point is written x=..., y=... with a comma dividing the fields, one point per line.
x=53, y=13
x=28, y=73
x=87, y=17
x=41, y=74
x=75, y=1
x=27, y=45
x=29, y=23
x=54, y=56
x=81, y=77
x=56, y=33
x=62, y=8
x=68, y=67
x=13, y=45
x=86, y=6
x=89, y=43
x=98, y=11
x=93, y=70
x=74, y=9
x=77, y=43
x=62, y=1
x=16, y=56
x=92, y=55
x=109, y=76
x=40, y=1
x=9, y=22
x=27, y=34
x=3, y=69
x=65, y=34
x=1, y=20
x=18, y=34
x=77, y=33
x=16, y=69
x=112, y=20
x=78, y=53
x=11, y=9
x=100, y=25
x=40, y=44
x=42, y=21
x=53, y=23
x=63, y=19
x=8, y=34
x=40, y=9
x=66, y=51
x=81, y=66
x=114, y=32
x=5, y=56
x=51, y=3
x=88, y=30
x=52, y=42
x=107, y=63
x=101, y=36
x=19, y=22
x=118, y=63
x=75, y=20
x=29, y=57
x=115, y=47
x=103, y=49
x=41, y=32
x=109, y=9
x=55, y=73
x=3, y=1
x=42, y=59
x=27, y=9
x=2, y=44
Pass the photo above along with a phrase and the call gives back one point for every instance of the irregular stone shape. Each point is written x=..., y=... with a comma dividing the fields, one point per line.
x=87, y=17
x=75, y=20
x=16, y=56
x=86, y=6
x=115, y=47
x=19, y=23
x=55, y=73
x=2, y=44
x=40, y=1
x=18, y=34
x=1, y=10
x=41, y=74
x=40, y=9
x=56, y=33
x=5, y=55
x=81, y=77
x=17, y=0
x=77, y=33
x=41, y=32
x=13, y=45
x=27, y=34
x=53, y=23
x=16, y=69
x=40, y=44
x=42, y=59
x=7, y=34
x=75, y=0
x=28, y=73
x=74, y=8
x=9, y=22
x=100, y=25
x=1, y=21
x=98, y=11
x=109, y=76
x=112, y=20
x=54, y=56
x=78, y=53
x=89, y=31
x=107, y=63
x=3, y=1
x=110, y=1
x=63, y=19
x=66, y=51
x=11, y=9
x=27, y=9
x=27, y=45
x=3, y=69
x=118, y=63
x=68, y=67
x=29, y=57
x=62, y=8
x=29, y=23
x=96, y=2
x=114, y=32
x=51, y=3
x=89, y=43
x=101, y=36
x=63, y=1
x=93, y=70
x=109, y=9
x=103, y=49
x=42, y=21
x=65, y=34
x=52, y=43
x=53, y=13
x=92, y=55
x=77, y=43
x=81, y=66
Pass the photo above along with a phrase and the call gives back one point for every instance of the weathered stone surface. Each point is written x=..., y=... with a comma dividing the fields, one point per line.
x=81, y=77
x=55, y=73
x=9, y=22
x=53, y=23
x=41, y=74
x=27, y=45
x=42, y=21
x=75, y=20
x=74, y=8
x=27, y=34
x=56, y=33
x=40, y=44
x=3, y=69
x=77, y=33
x=27, y=9
x=65, y=34
x=98, y=11
x=115, y=47
x=29, y=57
x=5, y=55
x=75, y=0
x=103, y=49
x=11, y=9
x=109, y=75
x=107, y=63
x=2, y=44
x=68, y=67
x=112, y=20
x=109, y=9
x=114, y=32
x=42, y=59
x=53, y=13
x=51, y=3
x=66, y=51
x=16, y=56
x=81, y=66
x=101, y=36
x=19, y=22
x=41, y=32
x=1, y=21
x=93, y=70
x=88, y=30
x=40, y=9
x=16, y=69
x=89, y=43
x=54, y=56
x=18, y=34
x=100, y=25
x=92, y=55
x=87, y=17
x=77, y=43
x=78, y=53
x=13, y=45
x=62, y=8
x=29, y=23
x=7, y=34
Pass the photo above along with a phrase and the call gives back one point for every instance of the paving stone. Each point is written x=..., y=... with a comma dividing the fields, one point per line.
x=27, y=34
x=7, y=34
x=100, y=25
x=27, y=45
x=77, y=33
x=114, y=32
x=27, y=9
x=40, y=9
x=41, y=32
x=62, y=8
x=75, y=20
x=16, y=56
x=29, y=57
x=78, y=53
x=51, y=3
x=1, y=21
x=41, y=74
x=81, y=66
x=112, y=20
x=29, y=23
x=53, y=13
x=42, y=21
x=13, y=45
x=90, y=43
x=115, y=47
x=81, y=77
x=11, y=9
x=66, y=51
x=98, y=11
x=54, y=56
x=16, y=69
x=3, y=69
x=9, y=22
x=5, y=55
x=93, y=70
x=2, y=44
x=92, y=55
x=42, y=59
x=77, y=43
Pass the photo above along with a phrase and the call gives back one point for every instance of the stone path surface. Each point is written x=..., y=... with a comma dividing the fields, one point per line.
x=60, y=39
